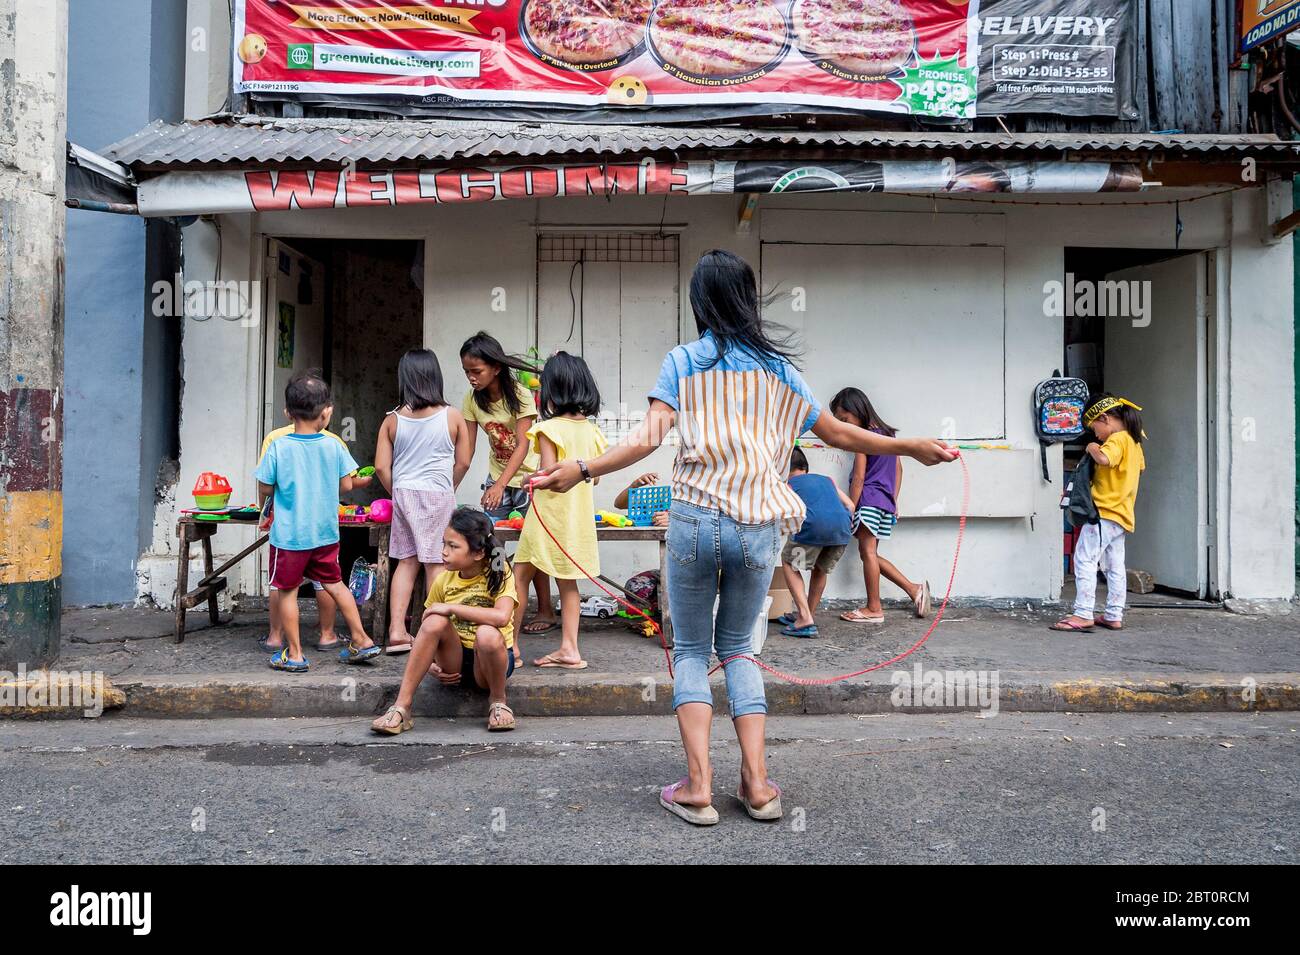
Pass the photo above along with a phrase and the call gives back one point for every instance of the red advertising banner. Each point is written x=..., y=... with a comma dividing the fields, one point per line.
x=901, y=56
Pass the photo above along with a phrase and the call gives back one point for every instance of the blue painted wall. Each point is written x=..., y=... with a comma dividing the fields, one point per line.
x=120, y=361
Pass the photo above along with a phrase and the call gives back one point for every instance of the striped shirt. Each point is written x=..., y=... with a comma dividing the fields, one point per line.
x=738, y=421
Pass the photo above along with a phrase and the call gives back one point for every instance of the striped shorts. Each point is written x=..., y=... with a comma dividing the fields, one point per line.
x=880, y=523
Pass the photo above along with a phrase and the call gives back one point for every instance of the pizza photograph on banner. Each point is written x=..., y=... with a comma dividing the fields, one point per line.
x=900, y=56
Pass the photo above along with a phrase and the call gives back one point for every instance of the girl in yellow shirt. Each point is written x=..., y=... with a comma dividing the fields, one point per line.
x=569, y=398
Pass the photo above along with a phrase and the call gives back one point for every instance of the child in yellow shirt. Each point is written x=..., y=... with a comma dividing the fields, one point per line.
x=569, y=398
x=468, y=626
x=1118, y=465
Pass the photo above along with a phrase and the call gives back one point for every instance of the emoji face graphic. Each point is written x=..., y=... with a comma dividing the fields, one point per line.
x=627, y=91
x=252, y=48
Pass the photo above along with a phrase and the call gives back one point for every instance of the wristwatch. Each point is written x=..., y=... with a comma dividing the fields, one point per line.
x=586, y=474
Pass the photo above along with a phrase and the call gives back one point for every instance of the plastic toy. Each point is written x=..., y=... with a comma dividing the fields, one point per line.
x=598, y=606
x=512, y=523
x=353, y=514
x=611, y=519
x=644, y=502
x=211, y=491
x=381, y=510
x=367, y=471
x=530, y=380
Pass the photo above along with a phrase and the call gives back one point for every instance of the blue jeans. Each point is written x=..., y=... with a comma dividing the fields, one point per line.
x=710, y=557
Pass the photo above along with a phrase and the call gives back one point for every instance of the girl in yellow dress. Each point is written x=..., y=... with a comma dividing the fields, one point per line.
x=569, y=398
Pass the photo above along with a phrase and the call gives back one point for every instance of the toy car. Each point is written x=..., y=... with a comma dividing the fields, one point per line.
x=598, y=606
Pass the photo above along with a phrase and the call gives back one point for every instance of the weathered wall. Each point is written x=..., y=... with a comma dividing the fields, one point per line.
x=481, y=258
x=32, y=123
x=121, y=359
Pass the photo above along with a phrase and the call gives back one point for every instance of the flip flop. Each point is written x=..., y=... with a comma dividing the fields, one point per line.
x=922, y=602
x=351, y=654
x=549, y=625
x=549, y=662
x=381, y=724
x=857, y=616
x=500, y=727
x=785, y=620
x=262, y=642
x=808, y=631
x=281, y=661
x=328, y=646
x=766, y=812
x=695, y=815
x=1109, y=624
x=1065, y=626
x=397, y=649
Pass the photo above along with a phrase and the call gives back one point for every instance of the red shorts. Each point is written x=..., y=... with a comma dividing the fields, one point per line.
x=289, y=567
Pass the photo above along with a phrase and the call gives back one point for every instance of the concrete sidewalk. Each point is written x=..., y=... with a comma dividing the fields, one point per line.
x=1175, y=660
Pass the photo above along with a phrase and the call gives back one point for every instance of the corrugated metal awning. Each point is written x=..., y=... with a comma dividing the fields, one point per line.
x=262, y=141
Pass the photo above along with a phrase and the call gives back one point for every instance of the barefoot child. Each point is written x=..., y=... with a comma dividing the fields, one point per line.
x=1118, y=465
x=739, y=404
x=569, y=398
x=820, y=543
x=468, y=624
x=305, y=472
x=424, y=450
x=874, y=488
x=505, y=410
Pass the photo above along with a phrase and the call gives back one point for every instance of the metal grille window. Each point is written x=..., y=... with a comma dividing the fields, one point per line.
x=606, y=247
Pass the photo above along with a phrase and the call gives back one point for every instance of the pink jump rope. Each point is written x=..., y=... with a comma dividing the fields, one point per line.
x=790, y=677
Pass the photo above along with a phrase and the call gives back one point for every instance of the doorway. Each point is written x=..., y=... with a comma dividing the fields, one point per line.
x=1146, y=334
x=350, y=307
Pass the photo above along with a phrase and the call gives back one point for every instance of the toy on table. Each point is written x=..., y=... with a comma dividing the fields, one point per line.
x=367, y=471
x=381, y=510
x=612, y=519
x=644, y=502
x=514, y=522
x=211, y=491
x=353, y=514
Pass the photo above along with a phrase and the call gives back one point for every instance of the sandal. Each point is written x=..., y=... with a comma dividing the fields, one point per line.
x=768, y=811
x=793, y=631
x=921, y=603
x=386, y=724
x=397, y=649
x=332, y=645
x=1066, y=626
x=549, y=662
x=861, y=616
x=1109, y=624
x=695, y=815
x=500, y=727
x=350, y=654
x=785, y=620
x=262, y=642
x=537, y=627
x=281, y=661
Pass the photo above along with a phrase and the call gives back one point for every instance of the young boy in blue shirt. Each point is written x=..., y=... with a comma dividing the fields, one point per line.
x=306, y=471
x=820, y=542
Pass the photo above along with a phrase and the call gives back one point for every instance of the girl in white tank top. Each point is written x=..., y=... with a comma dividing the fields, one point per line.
x=422, y=454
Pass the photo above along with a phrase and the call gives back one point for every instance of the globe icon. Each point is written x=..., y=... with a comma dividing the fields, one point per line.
x=299, y=56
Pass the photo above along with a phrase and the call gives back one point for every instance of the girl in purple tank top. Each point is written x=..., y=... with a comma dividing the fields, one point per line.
x=874, y=488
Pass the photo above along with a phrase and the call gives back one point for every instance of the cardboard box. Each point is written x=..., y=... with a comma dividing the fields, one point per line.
x=782, y=602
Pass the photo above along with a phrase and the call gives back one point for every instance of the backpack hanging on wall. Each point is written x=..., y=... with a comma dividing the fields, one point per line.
x=1058, y=412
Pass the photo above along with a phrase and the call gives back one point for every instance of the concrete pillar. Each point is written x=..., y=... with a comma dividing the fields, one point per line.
x=33, y=78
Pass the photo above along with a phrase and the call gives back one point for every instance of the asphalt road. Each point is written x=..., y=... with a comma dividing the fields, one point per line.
x=1018, y=788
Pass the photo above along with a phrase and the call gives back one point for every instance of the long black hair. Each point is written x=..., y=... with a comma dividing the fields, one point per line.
x=476, y=527
x=568, y=387
x=419, y=380
x=489, y=351
x=854, y=401
x=1128, y=416
x=724, y=298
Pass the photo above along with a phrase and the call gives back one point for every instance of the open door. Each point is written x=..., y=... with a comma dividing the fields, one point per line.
x=1162, y=366
x=295, y=324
